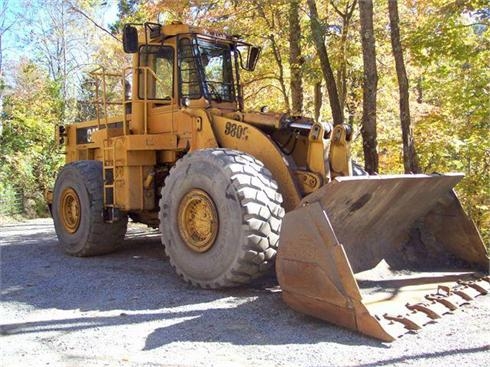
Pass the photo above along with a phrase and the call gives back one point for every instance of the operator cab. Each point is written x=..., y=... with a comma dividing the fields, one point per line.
x=187, y=66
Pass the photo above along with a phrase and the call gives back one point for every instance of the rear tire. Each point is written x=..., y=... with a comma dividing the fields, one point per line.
x=220, y=216
x=78, y=211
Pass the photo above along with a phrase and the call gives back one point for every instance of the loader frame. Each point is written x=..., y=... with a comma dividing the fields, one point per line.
x=186, y=157
x=157, y=133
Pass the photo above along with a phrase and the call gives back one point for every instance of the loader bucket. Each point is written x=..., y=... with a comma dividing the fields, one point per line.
x=382, y=255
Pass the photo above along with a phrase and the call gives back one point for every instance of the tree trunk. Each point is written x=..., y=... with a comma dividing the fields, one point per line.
x=276, y=51
x=369, y=89
x=346, y=16
x=318, y=100
x=409, y=156
x=319, y=39
x=295, y=58
x=342, y=71
x=280, y=78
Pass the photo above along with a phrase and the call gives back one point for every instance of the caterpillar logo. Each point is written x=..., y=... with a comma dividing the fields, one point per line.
x=84, y=134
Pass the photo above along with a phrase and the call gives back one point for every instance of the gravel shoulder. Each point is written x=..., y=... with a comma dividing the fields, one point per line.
x=130, y=309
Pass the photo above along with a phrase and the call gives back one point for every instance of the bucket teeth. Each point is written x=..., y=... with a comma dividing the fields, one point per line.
x=421, y=314
x=433, y=310
x=394, y=328
x=407, y=321
x=445, y=300
x=448, y=297
x=482, y=286
x=467, y=293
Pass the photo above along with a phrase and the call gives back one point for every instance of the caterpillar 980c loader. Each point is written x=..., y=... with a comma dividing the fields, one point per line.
x=219, y=182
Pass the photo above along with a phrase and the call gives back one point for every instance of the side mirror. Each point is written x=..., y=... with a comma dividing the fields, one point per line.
x=253, y=57
x=130, y=39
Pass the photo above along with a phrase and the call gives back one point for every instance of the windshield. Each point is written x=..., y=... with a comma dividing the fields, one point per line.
x=206, y=67
x=217, y=69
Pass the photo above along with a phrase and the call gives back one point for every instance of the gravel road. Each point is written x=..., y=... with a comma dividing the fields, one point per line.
x=130, y=309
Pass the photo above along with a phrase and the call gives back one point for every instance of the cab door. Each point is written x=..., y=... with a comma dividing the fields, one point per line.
x=157, y=70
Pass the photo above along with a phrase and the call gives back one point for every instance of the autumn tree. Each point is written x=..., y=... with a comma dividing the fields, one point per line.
x=273, y=17
x=27, y=153
x=4, y=27
x=295, y=59
x=318, y=34
x=370, y=85
x=409, y=156
x=62, y=44
x=445, y=45
x=40, y=93
x=345, y=10
x=453, y=130
x=127, y=11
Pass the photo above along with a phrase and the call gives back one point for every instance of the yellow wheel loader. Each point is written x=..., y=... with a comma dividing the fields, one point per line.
x=234, y=191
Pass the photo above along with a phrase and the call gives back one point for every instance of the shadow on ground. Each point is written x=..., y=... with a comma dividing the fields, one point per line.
x=138, y=283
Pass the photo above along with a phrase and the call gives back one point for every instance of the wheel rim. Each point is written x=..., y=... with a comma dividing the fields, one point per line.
x=70, y=210
x=198, y=220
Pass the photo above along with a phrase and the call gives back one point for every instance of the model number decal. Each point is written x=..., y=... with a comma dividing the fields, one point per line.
x=236, y=130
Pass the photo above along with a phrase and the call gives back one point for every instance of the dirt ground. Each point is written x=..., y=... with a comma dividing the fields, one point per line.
x=130, y=309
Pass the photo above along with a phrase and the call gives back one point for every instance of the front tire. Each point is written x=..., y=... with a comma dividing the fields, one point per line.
x=220, y=216
x=78, y=211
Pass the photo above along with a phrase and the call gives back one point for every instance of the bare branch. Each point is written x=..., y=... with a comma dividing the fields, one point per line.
x=77, y=10
x=351, y=10
x=336, y=9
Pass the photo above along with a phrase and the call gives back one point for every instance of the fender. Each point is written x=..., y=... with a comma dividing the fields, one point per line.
x=211, y=130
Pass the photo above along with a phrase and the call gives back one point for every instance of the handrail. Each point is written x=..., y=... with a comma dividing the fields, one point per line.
x=98, y=101
x=125, y=101
x=146, y=71
x=104, y=100
x=100, y=74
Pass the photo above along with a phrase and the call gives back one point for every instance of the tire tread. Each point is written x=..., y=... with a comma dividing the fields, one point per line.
x=261, y=216
x=103, y=237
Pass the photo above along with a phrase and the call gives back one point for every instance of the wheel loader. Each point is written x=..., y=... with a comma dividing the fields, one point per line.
x=235, y=192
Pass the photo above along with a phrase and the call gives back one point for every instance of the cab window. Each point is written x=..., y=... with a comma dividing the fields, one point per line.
x=159, y=64
x=189, y=77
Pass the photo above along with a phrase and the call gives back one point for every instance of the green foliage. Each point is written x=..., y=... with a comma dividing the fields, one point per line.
x=128, y=12
x=10, y=200
x=446, y=48
x=28, y=156
x=453, y=133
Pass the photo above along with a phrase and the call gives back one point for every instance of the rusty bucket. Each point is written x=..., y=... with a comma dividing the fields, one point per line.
x=382, y=255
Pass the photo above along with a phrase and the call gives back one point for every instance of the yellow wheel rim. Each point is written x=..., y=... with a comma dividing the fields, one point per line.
x=198, y=220
x=70, y=210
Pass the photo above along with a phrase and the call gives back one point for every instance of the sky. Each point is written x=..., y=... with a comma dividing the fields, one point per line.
x=21, y=18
